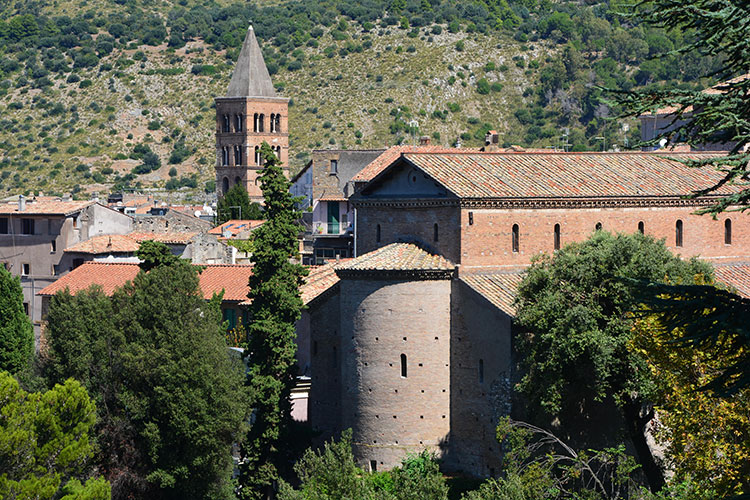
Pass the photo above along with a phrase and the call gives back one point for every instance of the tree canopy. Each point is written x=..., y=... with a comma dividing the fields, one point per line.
x=270, y=348
x=16, y=332
x=171, y=400
x=236, y=204
x=45, y=443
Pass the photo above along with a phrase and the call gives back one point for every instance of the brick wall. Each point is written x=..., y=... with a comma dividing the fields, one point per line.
x=392, y=415
x=488, y=241
x=324, y=410
x=480, y=335
x=410, y=224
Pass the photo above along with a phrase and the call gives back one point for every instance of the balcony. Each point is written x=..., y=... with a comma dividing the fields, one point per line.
x=331, y=229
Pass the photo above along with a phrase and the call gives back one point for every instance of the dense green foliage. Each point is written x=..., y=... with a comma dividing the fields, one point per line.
x=92, y=65
x=332, y=473
x=171, y=400
x=575, y=309
x=270, y=348
x=16, y=332
x=236, y=204
x=45, y=443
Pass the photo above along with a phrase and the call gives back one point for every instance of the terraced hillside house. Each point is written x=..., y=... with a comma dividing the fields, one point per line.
x=411, y=342
x=251, y=113
x=35, y=234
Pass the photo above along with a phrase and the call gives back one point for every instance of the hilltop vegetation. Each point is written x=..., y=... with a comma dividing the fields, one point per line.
x=100, y=94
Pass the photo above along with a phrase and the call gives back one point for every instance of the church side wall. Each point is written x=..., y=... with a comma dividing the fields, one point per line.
x=488, y=241
x=480, y=359
x=410, y=224
x=325, y=362
x=392, y=415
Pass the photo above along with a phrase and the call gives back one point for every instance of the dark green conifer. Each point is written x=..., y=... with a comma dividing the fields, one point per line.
x=16, y=332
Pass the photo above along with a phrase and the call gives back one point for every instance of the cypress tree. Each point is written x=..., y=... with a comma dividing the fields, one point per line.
x=270, y=348
x=16, y=332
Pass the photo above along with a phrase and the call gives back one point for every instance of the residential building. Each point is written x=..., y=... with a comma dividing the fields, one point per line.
x=34, y=235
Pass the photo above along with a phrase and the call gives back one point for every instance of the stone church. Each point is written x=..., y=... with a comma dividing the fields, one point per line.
x=410, y=342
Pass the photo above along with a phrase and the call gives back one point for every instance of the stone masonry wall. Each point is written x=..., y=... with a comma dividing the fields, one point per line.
x=392, y=415
x=410, y=224
x=487, y=242
x=325, y=362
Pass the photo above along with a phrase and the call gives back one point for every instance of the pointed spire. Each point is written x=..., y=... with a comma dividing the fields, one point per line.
x=250, y=77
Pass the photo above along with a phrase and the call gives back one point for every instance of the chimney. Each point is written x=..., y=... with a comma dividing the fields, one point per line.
x=66, y=197
x=458, y=142
x=424, y=140
x=21, y=203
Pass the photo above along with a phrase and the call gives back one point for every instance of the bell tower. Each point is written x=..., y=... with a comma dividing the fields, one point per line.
x=251, y=113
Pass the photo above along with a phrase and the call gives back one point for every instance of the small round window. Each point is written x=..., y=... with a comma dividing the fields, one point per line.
x=413, y=177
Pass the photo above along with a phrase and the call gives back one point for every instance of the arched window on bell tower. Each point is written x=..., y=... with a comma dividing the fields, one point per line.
x=277, y=128
x=237, y=180
x=257, y=155
x=261, y=120
x=255, y=122
x=238, y=155
x=238, y=123
x=225, y=185
x=225, y=156
x=225, y=123
x=272, y=124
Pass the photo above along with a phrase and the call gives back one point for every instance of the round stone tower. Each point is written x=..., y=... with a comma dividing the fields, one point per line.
x=395, y=353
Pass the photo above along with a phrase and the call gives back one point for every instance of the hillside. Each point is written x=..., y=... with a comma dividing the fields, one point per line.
x=98, y=95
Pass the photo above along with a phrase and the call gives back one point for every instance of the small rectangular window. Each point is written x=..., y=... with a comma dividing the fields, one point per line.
x=4, y=225
x=25, y=269
x=334, y=166
x=53, y=246
x=27, y=226
x=26, y=308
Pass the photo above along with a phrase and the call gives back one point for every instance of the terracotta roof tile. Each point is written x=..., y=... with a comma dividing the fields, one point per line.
x=566, y=175
x=233, y=279
x=391, y=154
x=105, y=243
x=46, y=207
x=109, y=276
x=735, y=275
x=499, y=288
x=398, y=257
x=174, y=238
x=319, y=280
x=236, y=226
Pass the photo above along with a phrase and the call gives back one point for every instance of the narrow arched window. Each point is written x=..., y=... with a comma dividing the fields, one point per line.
x=678, y=233
x=515, y=238
x=481, y=371
x=435, y=232
x=238, y=155
x=728, y=232
x=237, y=180
x=641, y=227
x=225, y=156
x=225, y=185
x=273, y=122
x=261, y=119
x=238, y=123
x=403, y=365
x=278, y=123
x=377, y=233
x=225, y=123
x=557, y=236
x=255, y=122
x=257, y=155
x=598, y=226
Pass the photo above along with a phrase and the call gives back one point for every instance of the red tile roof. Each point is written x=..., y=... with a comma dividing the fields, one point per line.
x=499, y=288
x=567, y=175
x=109, y=276
x=236, y=226
x=105, y=243
x=233, y=279
x=174, y=238
x=389, y=155
x=46, y=206
x=719, y=88
x=735, y=275
x=319, y=280
x=398, y=257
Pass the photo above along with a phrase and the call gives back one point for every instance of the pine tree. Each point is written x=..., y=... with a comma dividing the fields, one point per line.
x=16, y=332
x=236, y=204
x=270, y=348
